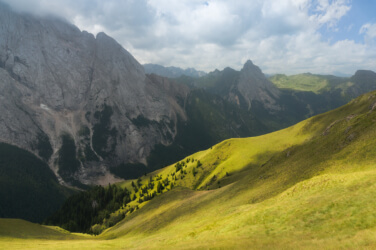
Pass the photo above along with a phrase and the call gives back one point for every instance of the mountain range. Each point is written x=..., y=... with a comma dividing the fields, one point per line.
x=172, y=72
x=307, y=186
x=85, y=112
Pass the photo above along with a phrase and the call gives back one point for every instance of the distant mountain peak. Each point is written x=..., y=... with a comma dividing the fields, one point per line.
x=364, y=72
x=249, y=66
x=253, y=85
x=248, y=63
x=172, y=72
x=364, y=75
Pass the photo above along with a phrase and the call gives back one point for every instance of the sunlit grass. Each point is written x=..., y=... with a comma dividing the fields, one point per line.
x=302, y=82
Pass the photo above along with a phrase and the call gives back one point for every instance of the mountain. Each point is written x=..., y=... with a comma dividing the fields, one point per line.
x=81, y=103
x=241, y=88
x=362, y=81
x=85, y=106
x=253, y=86
x=281, y=101
x=171, y=72
x=307, y=186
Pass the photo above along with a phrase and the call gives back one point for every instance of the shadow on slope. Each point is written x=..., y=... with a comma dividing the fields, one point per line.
x=28, y=178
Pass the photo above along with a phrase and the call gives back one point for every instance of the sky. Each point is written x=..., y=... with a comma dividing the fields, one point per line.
x=280, y=36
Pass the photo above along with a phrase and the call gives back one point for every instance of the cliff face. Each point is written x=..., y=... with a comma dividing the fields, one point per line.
x=57, y=82
x=253, y=86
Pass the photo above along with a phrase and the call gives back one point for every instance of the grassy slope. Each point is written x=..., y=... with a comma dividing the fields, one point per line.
x=309, y=82
x=21, y=234
x=21, y=229
x=311, y=185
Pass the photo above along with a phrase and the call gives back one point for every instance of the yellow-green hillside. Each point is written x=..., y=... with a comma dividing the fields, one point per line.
x=311, y=185
x=310, y=82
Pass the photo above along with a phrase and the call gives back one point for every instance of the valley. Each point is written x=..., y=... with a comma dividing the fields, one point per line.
x=313, y=189
x=101, y=151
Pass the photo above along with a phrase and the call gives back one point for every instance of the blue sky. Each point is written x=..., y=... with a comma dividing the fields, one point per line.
x=280, y=36
x=360, y=13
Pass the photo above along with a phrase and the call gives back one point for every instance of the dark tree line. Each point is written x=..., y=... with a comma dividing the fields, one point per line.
x=84, y=210
x=28, y=188
x=90, y=207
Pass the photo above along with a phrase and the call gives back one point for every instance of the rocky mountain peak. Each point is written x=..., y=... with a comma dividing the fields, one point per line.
x=113, y=50
x=254, y=86
x=252, y=70
x=244, y=87
x=249, y=66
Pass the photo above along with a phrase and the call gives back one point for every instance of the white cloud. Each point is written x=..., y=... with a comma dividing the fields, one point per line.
x=330, y=12
x=369, y=31
x=279, y=36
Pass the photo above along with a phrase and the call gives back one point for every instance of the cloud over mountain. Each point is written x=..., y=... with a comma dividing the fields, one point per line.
x=290, y=36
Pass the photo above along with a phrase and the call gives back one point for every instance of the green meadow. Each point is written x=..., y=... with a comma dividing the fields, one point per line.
x=310, y=82
x=309, y=186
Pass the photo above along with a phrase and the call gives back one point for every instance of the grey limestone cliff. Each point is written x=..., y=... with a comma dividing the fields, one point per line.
x=57, y=81
x=253, y=86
